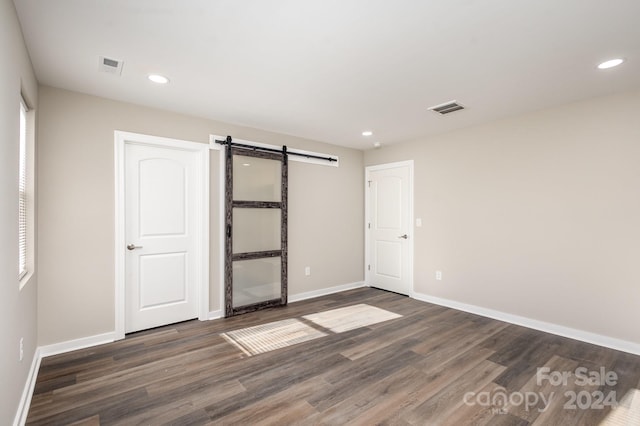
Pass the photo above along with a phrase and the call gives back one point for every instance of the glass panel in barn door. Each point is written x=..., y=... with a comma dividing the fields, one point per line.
x=255, y=281
x=256, y=230
x=256, y=179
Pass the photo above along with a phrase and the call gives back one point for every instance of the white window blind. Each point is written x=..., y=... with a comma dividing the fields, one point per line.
x=22, y=195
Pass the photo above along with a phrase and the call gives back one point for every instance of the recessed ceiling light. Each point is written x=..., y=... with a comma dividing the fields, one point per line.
x=246, y=164
x=157, y=78
x=367, y=133
x=610, y=63
x=377, y=145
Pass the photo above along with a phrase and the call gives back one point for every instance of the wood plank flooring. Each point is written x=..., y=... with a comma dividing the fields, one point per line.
x=432, y=366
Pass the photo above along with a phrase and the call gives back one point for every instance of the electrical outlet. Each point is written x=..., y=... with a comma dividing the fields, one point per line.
x=439, y=275
x=307, y=271
x=21, y=348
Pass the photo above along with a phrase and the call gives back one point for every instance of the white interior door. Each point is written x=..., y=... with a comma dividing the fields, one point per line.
x=160, y=234
x=389, y=227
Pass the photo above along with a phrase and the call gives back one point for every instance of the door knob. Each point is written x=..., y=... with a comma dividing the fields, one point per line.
x=404, y=237
x=133, y=247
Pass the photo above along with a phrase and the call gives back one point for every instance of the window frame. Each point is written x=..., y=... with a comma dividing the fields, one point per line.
x=23, y=205
x=26, y=188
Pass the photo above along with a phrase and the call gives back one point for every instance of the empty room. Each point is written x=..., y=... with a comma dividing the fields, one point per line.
x=320, y=212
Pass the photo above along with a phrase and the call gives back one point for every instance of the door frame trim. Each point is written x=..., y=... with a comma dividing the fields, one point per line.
x=121, y=139
x=367, y=254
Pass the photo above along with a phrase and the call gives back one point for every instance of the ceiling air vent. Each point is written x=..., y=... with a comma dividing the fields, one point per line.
x=112, y=66
x=447, y=107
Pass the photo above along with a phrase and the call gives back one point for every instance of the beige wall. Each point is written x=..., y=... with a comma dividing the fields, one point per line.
x=17, y=307
x=76, y=208
x=537, y=216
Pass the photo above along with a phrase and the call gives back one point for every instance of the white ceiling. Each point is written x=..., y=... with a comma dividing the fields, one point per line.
x=329, y=69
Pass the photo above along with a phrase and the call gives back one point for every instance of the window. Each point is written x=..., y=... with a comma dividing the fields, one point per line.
x=22, y=194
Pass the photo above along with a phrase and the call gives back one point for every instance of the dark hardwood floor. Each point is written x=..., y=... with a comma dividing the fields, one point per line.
x=432, y=366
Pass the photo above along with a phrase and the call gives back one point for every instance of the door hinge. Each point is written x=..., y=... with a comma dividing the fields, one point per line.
x=369, y=182
x=368, y=267
x=369, y=225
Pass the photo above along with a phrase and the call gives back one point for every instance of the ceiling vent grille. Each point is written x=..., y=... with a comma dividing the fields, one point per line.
x=109, y=65
x=447, y=107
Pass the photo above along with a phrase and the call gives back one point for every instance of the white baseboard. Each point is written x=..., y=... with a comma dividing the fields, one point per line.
x=303, y=296
x=72, y=345
x=325, y=291
x=48, y=350
x=547, y=327
x=27, y=393
x=216, y=314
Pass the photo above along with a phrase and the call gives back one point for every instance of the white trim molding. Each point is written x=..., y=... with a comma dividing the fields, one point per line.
x=304, y=296
x=49, y=350
x=121, y=139
x=547, y=327
x=325, y=291
x=216, y=314
x=74, y=345
x=222, y=188
x=27, y=393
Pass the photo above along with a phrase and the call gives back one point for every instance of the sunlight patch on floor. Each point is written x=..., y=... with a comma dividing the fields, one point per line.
x=627, y=413
x=271, y=336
